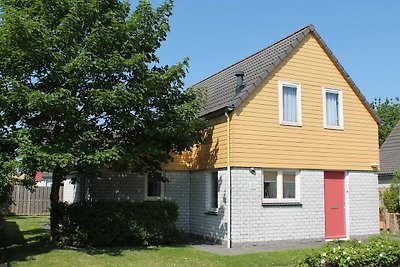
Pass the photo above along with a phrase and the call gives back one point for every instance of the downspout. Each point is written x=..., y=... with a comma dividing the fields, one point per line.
x=228, y=169
x=239, y=86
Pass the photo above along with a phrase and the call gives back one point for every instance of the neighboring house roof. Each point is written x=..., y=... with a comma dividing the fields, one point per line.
x=390, y=152
x=221, y=86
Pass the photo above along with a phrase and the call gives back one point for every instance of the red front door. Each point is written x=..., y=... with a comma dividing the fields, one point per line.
x=335, y=215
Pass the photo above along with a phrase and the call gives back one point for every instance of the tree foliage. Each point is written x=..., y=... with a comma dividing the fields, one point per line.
x=391, y=197
x=82, y=87
x=388, y=111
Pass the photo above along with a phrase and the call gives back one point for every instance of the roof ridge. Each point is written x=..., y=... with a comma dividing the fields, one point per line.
x=309, y=26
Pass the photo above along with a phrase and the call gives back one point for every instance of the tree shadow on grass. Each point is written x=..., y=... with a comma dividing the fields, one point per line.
x=113, y=251
x=20, y=245
x=23, y=246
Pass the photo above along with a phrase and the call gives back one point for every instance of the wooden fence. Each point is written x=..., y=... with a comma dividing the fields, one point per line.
x=27, y=203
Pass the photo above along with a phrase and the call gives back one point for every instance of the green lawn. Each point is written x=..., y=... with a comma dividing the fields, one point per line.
x=28, y=246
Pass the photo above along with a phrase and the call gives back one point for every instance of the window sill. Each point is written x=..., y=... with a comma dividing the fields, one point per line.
x=211, y=212
x=282, y=204
x=154, y=198
x=295, y=124
x=333, y=128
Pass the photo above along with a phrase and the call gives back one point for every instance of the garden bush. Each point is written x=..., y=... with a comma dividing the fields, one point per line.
x=391, y=196
x=3, y=242
x=117, y=223
x=377, y=251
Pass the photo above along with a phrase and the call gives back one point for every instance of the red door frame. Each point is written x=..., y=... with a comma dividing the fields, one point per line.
x=334, y=199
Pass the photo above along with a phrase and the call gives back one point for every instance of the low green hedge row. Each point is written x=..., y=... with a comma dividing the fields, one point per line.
x=117, y=223
x=377, y=251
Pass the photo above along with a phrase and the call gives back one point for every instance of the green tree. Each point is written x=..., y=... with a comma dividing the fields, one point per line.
x=82, y=88
x=8, y=154
x=391, y=197
x=388, y=111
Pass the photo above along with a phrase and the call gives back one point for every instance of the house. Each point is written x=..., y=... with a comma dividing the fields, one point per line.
x=71, y=188
x=43, y=179
x=292, y=154
x=390, y=157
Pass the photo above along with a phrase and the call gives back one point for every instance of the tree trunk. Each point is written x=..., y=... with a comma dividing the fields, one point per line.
x=54, y=200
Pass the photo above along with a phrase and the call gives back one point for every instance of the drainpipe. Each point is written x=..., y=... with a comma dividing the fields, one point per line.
x=228, y=169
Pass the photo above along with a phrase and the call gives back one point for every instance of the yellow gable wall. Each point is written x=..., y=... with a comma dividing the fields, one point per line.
x=210, y=155
x=260, y=141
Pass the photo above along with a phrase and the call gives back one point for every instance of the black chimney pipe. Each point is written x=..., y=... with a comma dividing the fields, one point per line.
x=239, y=81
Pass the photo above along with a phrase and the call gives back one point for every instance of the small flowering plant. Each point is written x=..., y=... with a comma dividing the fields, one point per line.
x=377, y=251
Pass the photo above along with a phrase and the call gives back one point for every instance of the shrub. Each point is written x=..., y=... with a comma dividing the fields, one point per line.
x=377, y=251
x=112, y=223
x=391, y=196
x=3, y=242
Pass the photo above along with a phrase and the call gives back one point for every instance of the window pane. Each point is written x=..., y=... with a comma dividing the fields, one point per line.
x=214, y=190
x=289, y=185
x=270, y=184
x=332, y=109
x=153, y=186
x=289, y=103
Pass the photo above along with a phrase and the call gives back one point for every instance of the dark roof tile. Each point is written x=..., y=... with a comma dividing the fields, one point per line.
x=390, y=152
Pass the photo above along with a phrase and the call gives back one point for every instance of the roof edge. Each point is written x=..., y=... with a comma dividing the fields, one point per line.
x=264, y=75
x=347, y=77
x=217, y=112
x=306, y=30
x=310, y=27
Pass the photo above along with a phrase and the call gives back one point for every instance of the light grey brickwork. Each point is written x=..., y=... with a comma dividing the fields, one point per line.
x=210, y=225
x=252, y=222
x=178, y=189
x=363, y=198
x=117, y=186
x=131, y=186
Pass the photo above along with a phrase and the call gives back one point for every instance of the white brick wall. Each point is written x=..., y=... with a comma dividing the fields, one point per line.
x=130, y=186
x=201, y=223
x=178, y=189
x=252, y=222
x=71, y=191
x=117, y=186
x=363, y=206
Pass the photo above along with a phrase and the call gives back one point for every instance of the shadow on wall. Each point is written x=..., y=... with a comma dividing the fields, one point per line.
x=202, y=156
x=223, y=227
x=115, y=186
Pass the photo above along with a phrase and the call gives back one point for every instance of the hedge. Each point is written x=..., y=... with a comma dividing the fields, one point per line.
x=117, y=223
x=375, y=252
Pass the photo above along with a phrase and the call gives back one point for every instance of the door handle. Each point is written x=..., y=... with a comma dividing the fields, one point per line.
x=334, y=207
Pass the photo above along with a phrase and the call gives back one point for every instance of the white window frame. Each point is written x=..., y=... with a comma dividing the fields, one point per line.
x=162, y=190
x=279, y=187
x=298, y=122
x=209, y=192
x=339, y=92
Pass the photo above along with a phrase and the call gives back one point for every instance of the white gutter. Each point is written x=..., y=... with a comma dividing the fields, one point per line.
x=228, y=169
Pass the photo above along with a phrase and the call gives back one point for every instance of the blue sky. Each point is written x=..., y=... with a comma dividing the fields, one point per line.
x=363, y=35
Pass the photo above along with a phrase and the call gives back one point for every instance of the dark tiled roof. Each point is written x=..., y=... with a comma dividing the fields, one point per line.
x=221, y=86
x=390, y=152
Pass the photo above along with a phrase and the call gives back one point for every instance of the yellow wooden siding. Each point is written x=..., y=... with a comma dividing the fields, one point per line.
x=260, y=141
x=210, y=155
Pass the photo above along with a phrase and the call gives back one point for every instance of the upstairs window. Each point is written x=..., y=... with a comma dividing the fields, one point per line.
x=333, y=108
x=289, y=103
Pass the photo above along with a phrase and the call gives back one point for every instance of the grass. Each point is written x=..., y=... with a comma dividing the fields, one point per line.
x=28, y=246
